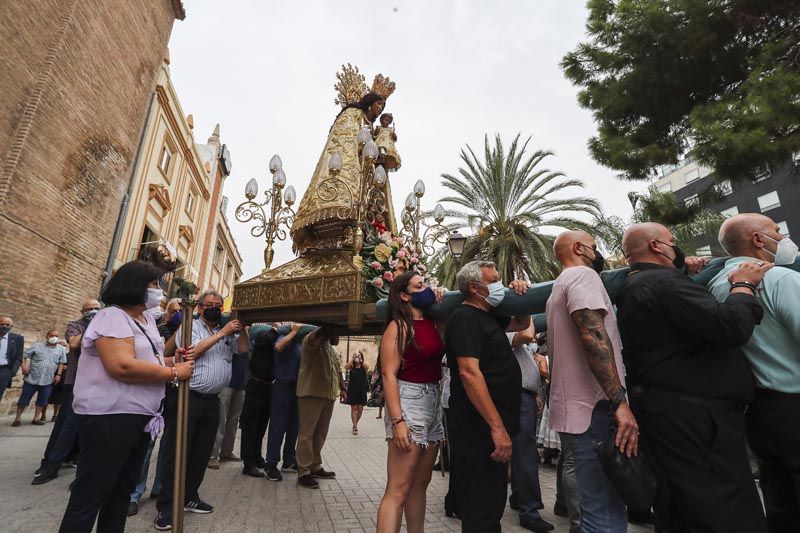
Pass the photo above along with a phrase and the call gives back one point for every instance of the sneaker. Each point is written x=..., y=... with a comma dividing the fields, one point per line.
x=38, y=422
x=213, y=463
x=261, y=463
x=323, y=474
x=133, y=508
x=308, y=482
x=289, y=468
x=539, y=525
x=252, y=471
x=559, y=509
x=229, y=457
x=198, y=506
x=16, y=424
x=163, y=522
x=69, y=464
x=273, y=474
x=44, y=475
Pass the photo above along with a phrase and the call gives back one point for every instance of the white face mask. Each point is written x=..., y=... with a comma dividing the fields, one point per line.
x=497, y=292
x=154, y=298
x=52, y=340
x=785, y=253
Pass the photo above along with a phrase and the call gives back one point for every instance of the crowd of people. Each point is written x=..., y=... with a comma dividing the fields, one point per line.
x=683, y=375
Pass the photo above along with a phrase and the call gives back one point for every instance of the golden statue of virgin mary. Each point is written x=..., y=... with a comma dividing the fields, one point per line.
x=327, y=217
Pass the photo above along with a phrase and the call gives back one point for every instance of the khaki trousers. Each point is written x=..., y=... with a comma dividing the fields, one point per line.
x=315, y=417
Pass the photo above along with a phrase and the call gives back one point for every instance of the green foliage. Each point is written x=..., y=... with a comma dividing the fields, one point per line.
x=507, y=198
x=721, y=78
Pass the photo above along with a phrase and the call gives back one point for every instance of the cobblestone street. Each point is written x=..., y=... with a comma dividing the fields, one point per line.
x=348, y=503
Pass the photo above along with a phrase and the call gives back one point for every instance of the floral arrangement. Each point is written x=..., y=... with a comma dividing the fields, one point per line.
x=387, y=256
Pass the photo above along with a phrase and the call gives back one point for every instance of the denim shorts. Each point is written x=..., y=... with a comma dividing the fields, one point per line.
x=28, y=390
x=422, y=411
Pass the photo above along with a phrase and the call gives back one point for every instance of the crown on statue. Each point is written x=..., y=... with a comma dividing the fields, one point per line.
x=351, y=85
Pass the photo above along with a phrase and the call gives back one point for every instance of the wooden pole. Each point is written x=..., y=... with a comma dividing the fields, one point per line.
x=182, y=416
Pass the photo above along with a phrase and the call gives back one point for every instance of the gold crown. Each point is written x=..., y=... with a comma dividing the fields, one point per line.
x=351, y=86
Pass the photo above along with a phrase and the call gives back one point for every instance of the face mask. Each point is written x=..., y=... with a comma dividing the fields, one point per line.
x=154, y=298
x=680, y=258
x=175, y=320
x=212, y=314
x=497, y=292
x=156, y=313
x=89, y=315
x=4, y=330
x=52, y=340
x=423, y=299
x=785, y=253
x=599, y=262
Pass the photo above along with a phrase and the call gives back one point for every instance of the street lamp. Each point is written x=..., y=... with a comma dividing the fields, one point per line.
x=456, y=244
x=281, y=217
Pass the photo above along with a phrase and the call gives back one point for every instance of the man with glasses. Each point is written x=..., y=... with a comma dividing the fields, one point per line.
x=215, y=347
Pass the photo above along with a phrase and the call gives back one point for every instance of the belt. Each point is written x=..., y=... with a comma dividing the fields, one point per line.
x=529, y=393
x=285, y=381
x=713, y=403
x=203, y=395
x=262, y=381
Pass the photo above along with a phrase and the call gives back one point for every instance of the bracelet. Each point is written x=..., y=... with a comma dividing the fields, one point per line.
x=746, y=285
x=396, y=420
x=174, y=376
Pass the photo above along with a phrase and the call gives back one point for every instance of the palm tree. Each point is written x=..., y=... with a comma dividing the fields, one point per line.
x=507, y=199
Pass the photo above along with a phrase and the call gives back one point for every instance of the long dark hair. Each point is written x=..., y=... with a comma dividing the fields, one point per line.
x=399, y=312
x=364, y=104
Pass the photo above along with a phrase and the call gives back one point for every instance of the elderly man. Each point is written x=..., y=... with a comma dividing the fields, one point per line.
x=64, y=435
x=215, y=348
x=588, y=380
x=43, y=365
x=690, y=383
x=773, y=419
x=11, y=349
x=484, y=405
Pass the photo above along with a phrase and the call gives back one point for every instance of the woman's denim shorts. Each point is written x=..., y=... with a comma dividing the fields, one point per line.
x=422, y=411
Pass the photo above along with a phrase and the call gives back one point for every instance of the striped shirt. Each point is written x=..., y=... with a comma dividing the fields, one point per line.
x=212, y=370
x=44, y=362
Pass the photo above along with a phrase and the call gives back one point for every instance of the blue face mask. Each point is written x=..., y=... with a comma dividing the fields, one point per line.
x=497, y=291
x=423, y=299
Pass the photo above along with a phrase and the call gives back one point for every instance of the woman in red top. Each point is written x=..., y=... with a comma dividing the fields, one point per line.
x=411, y=354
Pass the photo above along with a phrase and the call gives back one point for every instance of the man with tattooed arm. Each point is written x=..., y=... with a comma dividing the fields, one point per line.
x=587, y=378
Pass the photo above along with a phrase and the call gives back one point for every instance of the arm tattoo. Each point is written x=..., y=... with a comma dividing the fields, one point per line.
x=599, y=350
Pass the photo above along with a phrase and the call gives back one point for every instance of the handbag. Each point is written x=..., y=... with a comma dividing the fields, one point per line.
x=632, y=477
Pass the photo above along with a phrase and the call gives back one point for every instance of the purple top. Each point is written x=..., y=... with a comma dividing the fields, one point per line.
x=96, y=392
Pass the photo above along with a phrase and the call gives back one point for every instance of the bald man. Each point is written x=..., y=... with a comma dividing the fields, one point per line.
x=773, y=419
x=11, y=351
x=587, y=382
x=690, y=384
x=64, y=435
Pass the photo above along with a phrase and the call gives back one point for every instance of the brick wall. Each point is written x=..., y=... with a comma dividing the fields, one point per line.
x=76, y=79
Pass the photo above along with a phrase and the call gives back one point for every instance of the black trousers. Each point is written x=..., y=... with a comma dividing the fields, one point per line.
x=700, y=459
x=5, y=379
x=201, y=429
x=480, y=489
x=112, y=450
x=64, y=435
x=451, y=498
x=773, y=431
x=254, y=420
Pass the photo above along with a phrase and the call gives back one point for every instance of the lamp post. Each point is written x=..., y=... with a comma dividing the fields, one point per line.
x=276, y=226
x=424, y=241
x=456, y=244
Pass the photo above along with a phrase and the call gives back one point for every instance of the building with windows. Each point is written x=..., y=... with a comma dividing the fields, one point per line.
x=775, y=193
x=176, y=195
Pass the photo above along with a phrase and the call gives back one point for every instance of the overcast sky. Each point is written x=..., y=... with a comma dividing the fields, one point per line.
x=265, y=72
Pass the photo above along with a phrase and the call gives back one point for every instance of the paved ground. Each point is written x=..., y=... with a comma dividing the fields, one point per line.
x=245, y=504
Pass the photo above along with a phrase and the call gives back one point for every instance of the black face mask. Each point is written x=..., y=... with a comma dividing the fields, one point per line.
x=213, y=314
x=680, y=258
x=599, y=262
x=4, y=329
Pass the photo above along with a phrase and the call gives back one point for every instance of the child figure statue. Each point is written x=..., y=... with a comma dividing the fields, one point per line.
x=385, y=138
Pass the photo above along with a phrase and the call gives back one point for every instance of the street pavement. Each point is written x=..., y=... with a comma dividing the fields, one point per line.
x=244, y=504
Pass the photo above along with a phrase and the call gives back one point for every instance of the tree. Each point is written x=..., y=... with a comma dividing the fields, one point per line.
x=663, y=77
x=508, y=199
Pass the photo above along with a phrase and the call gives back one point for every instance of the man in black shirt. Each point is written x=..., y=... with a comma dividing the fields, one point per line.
x=258, y=392
x=484, y=395
x=689, y=383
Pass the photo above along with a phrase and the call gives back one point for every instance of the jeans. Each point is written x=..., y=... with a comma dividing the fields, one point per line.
x=567, y=489
x=283, y=422
x=602, y=509
x=141, y=486
x=254, y=421
x=525, y=490
x=42, y=394
x=64, y=434
x=230, y=407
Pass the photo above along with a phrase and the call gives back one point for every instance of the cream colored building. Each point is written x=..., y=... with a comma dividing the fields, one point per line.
x=175, y=201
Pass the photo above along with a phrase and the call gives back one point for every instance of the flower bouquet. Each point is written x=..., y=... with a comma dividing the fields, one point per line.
x=387, y=256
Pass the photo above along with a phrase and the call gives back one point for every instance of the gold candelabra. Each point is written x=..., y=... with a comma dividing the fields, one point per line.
x=280, y=220
x=423, y=240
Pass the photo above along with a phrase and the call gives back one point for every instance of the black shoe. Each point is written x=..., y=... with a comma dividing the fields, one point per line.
x=44, y=475
x=261, y=463
x=308, y=482
x=133, y=508
x=291, y=468
x=163, y=522
x=252, y=471
x=197, y=506
x=559, y=509
x=451, y=514
x=540, y=525
x=323, y=474
x=639, y=517
x=513, y=503
x=273, y=474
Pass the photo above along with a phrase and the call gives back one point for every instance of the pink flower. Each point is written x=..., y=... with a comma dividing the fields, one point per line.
x=388, y=276
x=376, y=265
x=378, y=282
x=414, y=260
x=401, y=254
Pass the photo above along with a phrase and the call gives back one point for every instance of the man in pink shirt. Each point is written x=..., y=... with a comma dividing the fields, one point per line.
x=588, y=383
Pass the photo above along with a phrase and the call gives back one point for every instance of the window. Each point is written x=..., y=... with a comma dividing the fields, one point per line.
x=704, y=251
x=692, y=175
x=725, y=188
x=164, y=160
x=665, y=187
x=769, y=201
x=731, y=211
x=761, y=174
x=784, y=228
x=229, y=272
x=218, y=253
x=692, y=200
x=190, y=205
